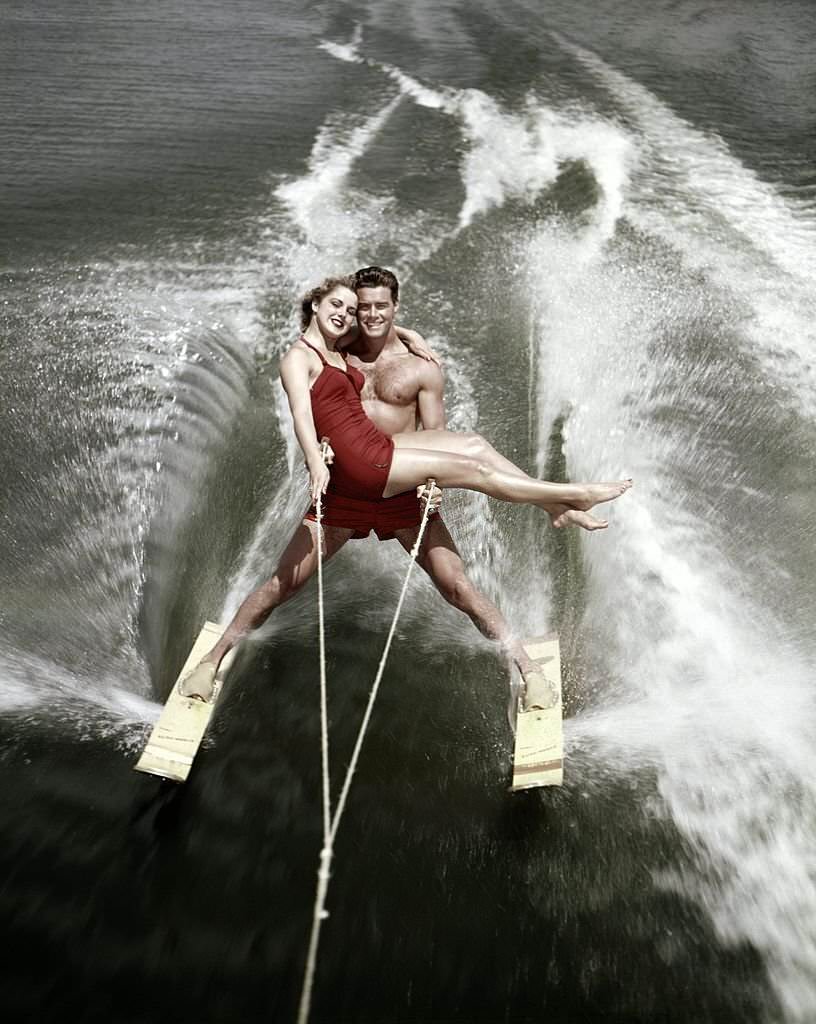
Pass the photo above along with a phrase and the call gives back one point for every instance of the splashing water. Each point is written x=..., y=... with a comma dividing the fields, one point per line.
x=701, y=681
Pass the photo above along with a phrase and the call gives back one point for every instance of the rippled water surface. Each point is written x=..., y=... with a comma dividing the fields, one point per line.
x=604, y=218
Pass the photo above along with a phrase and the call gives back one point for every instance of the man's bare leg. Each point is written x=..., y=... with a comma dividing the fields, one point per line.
x=297, y=565
x=443, y=563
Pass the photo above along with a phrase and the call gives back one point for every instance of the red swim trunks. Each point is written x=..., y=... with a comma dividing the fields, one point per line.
x=384, y=517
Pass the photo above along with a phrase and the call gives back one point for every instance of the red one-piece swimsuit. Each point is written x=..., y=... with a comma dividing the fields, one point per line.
x=362, y=453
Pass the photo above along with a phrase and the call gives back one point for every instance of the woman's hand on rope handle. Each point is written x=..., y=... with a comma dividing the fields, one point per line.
x=430, y=493
x=318, y=466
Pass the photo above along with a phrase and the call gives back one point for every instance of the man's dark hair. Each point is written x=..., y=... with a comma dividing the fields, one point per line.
x=317, y=294
x=377, y=277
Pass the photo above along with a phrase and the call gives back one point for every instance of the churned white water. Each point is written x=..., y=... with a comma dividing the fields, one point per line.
x=639, y=305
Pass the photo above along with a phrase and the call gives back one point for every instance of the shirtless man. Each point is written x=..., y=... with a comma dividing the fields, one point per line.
x=401, y=393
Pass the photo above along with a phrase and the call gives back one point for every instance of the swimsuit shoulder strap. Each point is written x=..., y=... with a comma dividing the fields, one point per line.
x=317, y=350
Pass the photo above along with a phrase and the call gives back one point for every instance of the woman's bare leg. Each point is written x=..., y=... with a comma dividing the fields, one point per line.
x=297, y=565
x=468, y=443
x=411, y=466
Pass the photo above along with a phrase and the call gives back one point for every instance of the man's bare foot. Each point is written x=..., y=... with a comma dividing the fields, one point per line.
x=200, y=683
x=539, y=691
x=596, y=494
x=575, y=517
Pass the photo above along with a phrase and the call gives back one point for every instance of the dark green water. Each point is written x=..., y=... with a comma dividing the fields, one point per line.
x=605, y=220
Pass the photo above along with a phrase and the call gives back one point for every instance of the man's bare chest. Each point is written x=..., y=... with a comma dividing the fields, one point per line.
x=393, y=382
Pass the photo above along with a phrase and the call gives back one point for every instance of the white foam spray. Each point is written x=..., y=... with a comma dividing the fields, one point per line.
x=756, y=245
x=699, y=680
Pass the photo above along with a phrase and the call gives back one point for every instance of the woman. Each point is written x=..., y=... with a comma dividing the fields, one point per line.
x=324, y=396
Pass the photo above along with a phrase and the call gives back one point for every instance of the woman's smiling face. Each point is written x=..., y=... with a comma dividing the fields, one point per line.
x=336, y=312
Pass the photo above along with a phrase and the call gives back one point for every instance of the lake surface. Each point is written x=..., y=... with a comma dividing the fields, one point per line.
x=603, y=217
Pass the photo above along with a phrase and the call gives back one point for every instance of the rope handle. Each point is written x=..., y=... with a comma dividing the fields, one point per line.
x=430, y=483
x=427, y=497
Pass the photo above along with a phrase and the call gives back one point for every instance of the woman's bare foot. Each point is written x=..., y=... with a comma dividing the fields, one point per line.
x=200, y=683
x=574, y=517
x=596, y=494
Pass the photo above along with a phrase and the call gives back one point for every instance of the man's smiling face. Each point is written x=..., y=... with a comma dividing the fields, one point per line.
x=376, y=310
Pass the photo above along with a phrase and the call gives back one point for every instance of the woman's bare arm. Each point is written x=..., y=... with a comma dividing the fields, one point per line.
x=295, y=374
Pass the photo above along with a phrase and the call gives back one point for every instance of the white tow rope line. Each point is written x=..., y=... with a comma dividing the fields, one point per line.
x=332, y=824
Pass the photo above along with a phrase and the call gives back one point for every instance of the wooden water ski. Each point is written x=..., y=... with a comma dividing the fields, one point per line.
x=177, y=735
x=538, y=759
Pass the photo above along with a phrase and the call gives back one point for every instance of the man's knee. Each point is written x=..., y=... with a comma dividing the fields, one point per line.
x=457, y=590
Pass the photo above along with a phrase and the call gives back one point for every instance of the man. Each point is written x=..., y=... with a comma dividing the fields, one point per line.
x=401, y=392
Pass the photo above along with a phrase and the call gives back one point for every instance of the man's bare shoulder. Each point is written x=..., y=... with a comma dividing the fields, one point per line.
x=410, y=370
x=430, y=373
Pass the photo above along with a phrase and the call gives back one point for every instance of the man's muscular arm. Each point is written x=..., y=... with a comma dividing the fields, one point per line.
x=431, y=398
x=431, y=414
